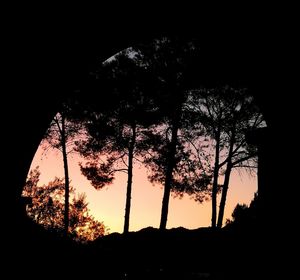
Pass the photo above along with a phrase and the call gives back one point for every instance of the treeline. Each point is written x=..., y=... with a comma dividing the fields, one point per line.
x=141, y=106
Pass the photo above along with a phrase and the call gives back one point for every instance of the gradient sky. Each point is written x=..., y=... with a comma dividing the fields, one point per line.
x=108, y=205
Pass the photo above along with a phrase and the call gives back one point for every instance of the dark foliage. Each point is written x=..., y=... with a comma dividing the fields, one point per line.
x=47, y=209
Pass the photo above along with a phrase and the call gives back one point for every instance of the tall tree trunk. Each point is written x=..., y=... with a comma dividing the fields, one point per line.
x=224, y=195
x=226, y=180
x=129, y=180
x=215, y=182
x=169, y=175
x=66, y=170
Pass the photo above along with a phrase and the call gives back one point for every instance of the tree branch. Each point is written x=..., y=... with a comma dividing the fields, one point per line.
x=257, y=120
x=244, y=159
x=137, y=159
x=125, y=163
x=119, y=170
x=245, y=166
x=210, y=114
x=238, y=146
x=57, y=124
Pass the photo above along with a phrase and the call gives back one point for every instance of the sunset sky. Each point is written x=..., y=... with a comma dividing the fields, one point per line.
x=108, y=204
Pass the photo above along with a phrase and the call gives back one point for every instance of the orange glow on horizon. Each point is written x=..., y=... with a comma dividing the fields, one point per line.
x=108, y=205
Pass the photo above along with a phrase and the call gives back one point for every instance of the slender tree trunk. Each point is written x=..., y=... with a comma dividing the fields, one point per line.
x=226, y=180
x=66, y=170
x=129, y=180
x=169, y=175
x=215, y=182
x=224, y=195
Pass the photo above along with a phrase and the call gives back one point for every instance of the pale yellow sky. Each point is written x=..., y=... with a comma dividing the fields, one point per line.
x=108, y=204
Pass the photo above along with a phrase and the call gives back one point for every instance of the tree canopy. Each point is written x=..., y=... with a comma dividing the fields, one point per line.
x=47, y=209
x=189, y=137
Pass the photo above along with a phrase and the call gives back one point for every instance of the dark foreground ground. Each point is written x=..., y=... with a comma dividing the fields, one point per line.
x=230, y=253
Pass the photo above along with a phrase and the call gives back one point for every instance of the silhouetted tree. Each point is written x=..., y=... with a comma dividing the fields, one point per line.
x=114, y=131
x=237, y=213
x=168, y=60
x=199, y=159
x=225, y=115
x=146, y=85
x=245, y=116
x=47, y=209
x=59, y=136
x=83, y=226
x=244, y=215
x=188, y=176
